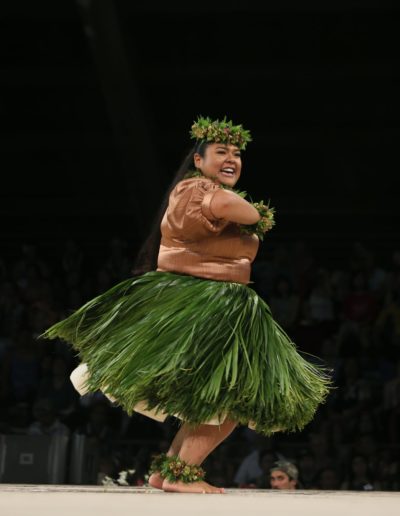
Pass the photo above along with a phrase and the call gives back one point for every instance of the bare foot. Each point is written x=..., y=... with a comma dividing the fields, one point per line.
x=156, y=480
x=194, y=487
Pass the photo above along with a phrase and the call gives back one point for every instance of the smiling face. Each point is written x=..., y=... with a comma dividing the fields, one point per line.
x=221, y=162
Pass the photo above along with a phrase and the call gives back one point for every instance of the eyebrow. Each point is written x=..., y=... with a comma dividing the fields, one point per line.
x=225, y=147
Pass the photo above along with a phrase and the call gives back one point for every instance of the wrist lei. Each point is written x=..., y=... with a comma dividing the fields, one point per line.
x=267, y=214
x=174, y=469
x=266, y=222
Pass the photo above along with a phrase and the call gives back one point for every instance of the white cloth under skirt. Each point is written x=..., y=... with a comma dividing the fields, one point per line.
x=80, y=375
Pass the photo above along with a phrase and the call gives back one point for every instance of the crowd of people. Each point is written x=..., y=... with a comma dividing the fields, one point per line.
x=345, y=312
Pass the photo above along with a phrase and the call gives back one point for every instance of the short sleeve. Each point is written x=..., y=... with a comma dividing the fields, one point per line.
x=206, y=204
x=189, y=208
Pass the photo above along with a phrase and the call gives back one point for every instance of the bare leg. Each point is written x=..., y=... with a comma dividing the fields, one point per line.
x=203, y=439
x=192, y=444
x=196, y=443
x=156, y=480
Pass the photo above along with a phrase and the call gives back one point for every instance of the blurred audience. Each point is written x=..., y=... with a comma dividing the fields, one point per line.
x=347, y=314
x=45, y=420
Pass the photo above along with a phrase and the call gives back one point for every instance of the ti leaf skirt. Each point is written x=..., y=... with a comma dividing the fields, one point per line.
x=198, y=349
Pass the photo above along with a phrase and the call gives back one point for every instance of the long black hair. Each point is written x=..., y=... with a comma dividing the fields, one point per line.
x=147, y=256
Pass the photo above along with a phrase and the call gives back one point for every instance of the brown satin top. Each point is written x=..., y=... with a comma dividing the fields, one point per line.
x=194, y=242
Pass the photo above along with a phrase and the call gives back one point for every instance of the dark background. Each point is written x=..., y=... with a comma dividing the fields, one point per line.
x=97, y=99
x=96, y=102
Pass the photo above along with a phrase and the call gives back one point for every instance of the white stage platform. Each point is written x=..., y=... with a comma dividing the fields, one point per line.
x=70, y=500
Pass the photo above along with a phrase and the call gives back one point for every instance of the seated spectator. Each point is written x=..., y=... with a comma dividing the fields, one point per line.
x=267, y=458
x=21, y=369
x=277, y=262
x=391, y=406
x=108, y=468
x=250, y=469
x=12, y=309
x=387, y=469
x=45, y=420
x=376, y=276
x=320, y=299
x=359, y=476
x=366, y=446
x=40, y=314
x=328, y=479
x=284, y=475
x=355, y=391
x=322, y=452
x=303, y=265
x=284, y=303
x=17, y=419
x=387, y=324
x=307, y=469
x=97, y=428
x=359, y=305
x=59, y=388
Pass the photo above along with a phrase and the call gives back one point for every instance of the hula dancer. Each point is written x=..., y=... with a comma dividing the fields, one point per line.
x=187, y=337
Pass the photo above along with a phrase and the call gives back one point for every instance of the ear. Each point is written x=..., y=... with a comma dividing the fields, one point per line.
x=197, y=160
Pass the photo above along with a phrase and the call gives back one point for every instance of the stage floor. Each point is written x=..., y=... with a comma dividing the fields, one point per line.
x=69, y=500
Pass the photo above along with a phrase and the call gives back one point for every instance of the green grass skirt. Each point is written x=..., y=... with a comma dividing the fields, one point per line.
x=194, y=347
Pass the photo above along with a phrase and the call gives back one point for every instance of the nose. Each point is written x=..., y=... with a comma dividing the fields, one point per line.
x=230, y=158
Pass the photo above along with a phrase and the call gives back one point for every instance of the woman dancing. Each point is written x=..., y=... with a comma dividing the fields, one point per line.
x=187, y=336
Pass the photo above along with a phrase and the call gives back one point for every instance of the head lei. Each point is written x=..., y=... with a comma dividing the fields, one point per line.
x=205, y=129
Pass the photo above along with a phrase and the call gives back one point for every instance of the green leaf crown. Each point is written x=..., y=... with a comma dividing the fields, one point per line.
x=220, y=132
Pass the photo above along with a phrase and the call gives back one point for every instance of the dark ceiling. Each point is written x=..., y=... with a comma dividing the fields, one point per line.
x=97, y=99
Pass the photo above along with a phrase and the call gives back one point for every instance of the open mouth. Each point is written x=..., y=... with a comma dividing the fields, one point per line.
x=228, y=172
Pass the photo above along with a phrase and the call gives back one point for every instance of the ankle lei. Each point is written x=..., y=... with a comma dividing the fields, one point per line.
x=174, y=469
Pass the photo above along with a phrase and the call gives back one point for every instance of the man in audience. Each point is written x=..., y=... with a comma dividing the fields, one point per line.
x=283, y=475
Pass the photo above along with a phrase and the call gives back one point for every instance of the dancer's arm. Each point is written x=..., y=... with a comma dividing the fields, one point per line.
x=230, y=206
